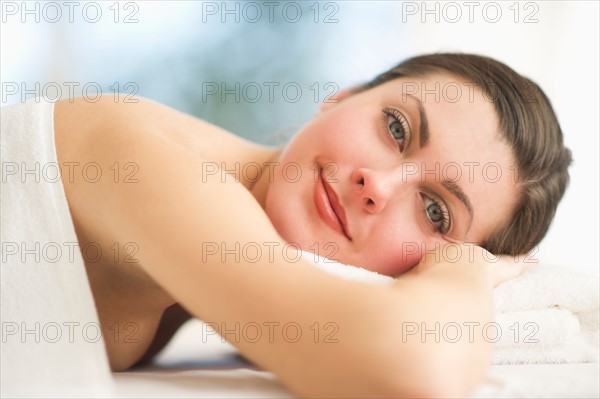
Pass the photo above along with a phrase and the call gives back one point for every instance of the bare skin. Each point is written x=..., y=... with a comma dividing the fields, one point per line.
x=166, y=214
x=131, y=306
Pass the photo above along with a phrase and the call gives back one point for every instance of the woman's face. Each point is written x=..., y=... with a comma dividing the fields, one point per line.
x=403, y=191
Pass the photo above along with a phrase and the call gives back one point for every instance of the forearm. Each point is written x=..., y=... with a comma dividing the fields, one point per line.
x=366, y=350
x=321, y=336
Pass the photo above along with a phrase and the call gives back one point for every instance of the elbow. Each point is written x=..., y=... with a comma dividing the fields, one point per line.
x=434, y=388
x=430, y=386
x=436, y=376
x=383, y=378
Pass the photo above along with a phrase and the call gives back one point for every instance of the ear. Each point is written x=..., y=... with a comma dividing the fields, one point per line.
x=332, y=100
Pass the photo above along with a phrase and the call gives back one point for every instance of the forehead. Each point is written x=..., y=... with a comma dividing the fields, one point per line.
x=444, y=93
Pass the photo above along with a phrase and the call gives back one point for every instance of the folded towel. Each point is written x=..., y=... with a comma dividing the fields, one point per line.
x=541, y=328
x=576, y=349
x=547, y=286
x=50, y=344
x=548, y=314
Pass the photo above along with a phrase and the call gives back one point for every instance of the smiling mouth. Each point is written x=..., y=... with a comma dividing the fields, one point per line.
x=328, y=206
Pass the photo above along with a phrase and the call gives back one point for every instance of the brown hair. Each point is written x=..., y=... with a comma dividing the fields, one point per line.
x=529, y=125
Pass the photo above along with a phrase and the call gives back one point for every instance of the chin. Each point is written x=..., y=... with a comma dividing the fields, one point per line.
x=299, y=238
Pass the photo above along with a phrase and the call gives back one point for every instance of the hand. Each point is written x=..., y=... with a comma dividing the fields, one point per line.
x=508, y=267
x=475, y=261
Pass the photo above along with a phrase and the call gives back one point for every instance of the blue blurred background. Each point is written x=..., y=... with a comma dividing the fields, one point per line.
x=282, y=59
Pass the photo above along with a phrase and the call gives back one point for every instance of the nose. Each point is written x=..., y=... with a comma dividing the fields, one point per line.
x=374, y=189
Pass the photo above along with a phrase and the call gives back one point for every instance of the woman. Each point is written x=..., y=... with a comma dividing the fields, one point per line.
x=387, y=177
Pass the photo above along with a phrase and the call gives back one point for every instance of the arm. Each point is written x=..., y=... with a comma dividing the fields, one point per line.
x=174, y=210
x=172, y=319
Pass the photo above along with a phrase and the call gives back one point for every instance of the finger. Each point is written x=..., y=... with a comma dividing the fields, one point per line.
x=509, y=268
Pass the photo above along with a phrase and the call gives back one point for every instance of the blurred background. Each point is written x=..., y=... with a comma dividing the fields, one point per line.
x=260, y=69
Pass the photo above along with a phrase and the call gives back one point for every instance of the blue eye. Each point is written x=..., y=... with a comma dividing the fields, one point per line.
x=397, y=126
x=437, y=213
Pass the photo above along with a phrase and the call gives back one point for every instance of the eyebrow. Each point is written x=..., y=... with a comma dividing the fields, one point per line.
x=460, y=194
x=423, y=122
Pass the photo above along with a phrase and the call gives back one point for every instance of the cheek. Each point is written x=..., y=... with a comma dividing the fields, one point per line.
x=399, y=263
x=393, y=255
x=343, y=136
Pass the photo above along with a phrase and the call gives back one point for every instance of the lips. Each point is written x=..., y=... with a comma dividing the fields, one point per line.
x=329, y=207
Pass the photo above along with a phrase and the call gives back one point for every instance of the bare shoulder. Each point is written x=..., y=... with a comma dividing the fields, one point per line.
x=99, y=146
x=96, y=125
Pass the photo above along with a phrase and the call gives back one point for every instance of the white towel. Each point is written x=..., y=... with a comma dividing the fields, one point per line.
x=548, y=314
x=50, y=343
x=543, y=327
x=561, y=306
x=548, y=286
